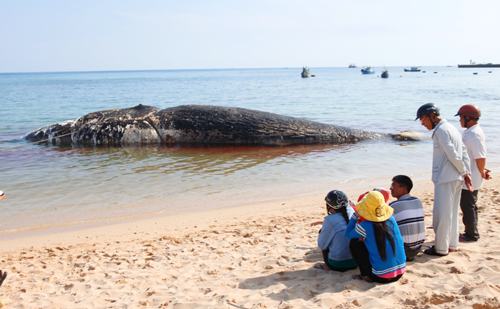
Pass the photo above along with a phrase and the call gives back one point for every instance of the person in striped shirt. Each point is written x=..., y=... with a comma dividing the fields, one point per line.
x=409, y=214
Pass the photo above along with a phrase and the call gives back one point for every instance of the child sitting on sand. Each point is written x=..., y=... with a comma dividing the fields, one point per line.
x=376, y=242
x=331, y=239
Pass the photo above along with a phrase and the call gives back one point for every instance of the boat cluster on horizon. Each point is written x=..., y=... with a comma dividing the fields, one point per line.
x=385, y=74
x=365, y=70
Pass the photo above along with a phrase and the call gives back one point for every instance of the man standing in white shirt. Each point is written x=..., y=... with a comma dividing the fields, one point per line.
x=450, y=169
x=474, y=140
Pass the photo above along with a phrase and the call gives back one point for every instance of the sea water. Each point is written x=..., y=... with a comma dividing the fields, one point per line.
x=49, y=185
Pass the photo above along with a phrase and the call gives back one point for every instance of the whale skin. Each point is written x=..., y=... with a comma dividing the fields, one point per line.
x=200, y=124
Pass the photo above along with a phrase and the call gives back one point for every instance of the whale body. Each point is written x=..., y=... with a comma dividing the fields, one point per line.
x=200, y=124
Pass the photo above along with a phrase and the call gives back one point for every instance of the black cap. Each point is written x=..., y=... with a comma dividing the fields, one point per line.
x=337, y=199
x=427, y=109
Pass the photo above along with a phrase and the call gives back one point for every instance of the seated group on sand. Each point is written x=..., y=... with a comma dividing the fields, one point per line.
x=376, y=237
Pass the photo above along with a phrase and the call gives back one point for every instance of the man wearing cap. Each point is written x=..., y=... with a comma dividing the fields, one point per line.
x=474, y=141
x=450, y=169
x=409, y=214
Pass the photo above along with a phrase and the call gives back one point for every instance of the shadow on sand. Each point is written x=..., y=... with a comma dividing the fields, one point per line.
x=305, y=284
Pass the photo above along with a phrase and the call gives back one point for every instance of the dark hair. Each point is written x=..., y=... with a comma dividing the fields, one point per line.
x=404, y=181
x=341, y=210
x=381, y=233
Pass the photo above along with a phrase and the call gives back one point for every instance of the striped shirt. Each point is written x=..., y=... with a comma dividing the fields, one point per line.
x=409, y=214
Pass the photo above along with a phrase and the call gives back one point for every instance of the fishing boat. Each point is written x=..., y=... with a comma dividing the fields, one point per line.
x=413, y=69
x=305, y=72
x=352, y=65
x=367, y=70
x=385, y=74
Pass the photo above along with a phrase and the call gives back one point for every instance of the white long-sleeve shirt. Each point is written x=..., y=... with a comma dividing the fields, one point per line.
x=450, y=161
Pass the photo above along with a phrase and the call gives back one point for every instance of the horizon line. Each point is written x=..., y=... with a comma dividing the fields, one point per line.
x=200, y=69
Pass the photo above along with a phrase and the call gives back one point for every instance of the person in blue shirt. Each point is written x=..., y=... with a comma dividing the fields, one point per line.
x=376, y=242
x=331, y=239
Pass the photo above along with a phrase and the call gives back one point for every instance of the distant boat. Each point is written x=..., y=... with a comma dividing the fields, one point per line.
x=479, y=65
x=367, y=70
x=385, y=74
x=305, y=72
x=412, y=69
x=352, y=65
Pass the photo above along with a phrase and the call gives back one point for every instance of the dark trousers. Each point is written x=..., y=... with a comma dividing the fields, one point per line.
x=325, y=258
x=468, y=205
x=411, y=253
x=361, y=255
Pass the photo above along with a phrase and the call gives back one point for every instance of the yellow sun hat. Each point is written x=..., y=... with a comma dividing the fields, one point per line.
x=373, y=207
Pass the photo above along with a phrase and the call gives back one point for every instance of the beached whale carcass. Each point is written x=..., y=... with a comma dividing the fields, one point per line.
x=200, y=124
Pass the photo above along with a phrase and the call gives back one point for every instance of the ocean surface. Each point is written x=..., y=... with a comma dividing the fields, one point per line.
x=50, y=186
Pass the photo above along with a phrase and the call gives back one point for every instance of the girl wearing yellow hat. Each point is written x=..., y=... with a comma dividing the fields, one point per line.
x=376, y=242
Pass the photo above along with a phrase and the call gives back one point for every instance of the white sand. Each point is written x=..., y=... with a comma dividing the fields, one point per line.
x=255, y=256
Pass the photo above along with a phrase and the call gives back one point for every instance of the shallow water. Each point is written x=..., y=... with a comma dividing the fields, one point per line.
x=49, y=185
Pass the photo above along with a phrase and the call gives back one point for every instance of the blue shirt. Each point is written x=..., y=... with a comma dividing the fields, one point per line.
x=395, y=262
x=332, y=236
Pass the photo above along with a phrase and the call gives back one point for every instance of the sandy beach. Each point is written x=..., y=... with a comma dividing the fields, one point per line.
x=252, y=256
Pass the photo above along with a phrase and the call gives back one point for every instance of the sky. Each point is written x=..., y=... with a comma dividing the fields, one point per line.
x=56, y=35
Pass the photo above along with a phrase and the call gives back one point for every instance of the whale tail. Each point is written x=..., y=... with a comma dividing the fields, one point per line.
x=408, y=136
